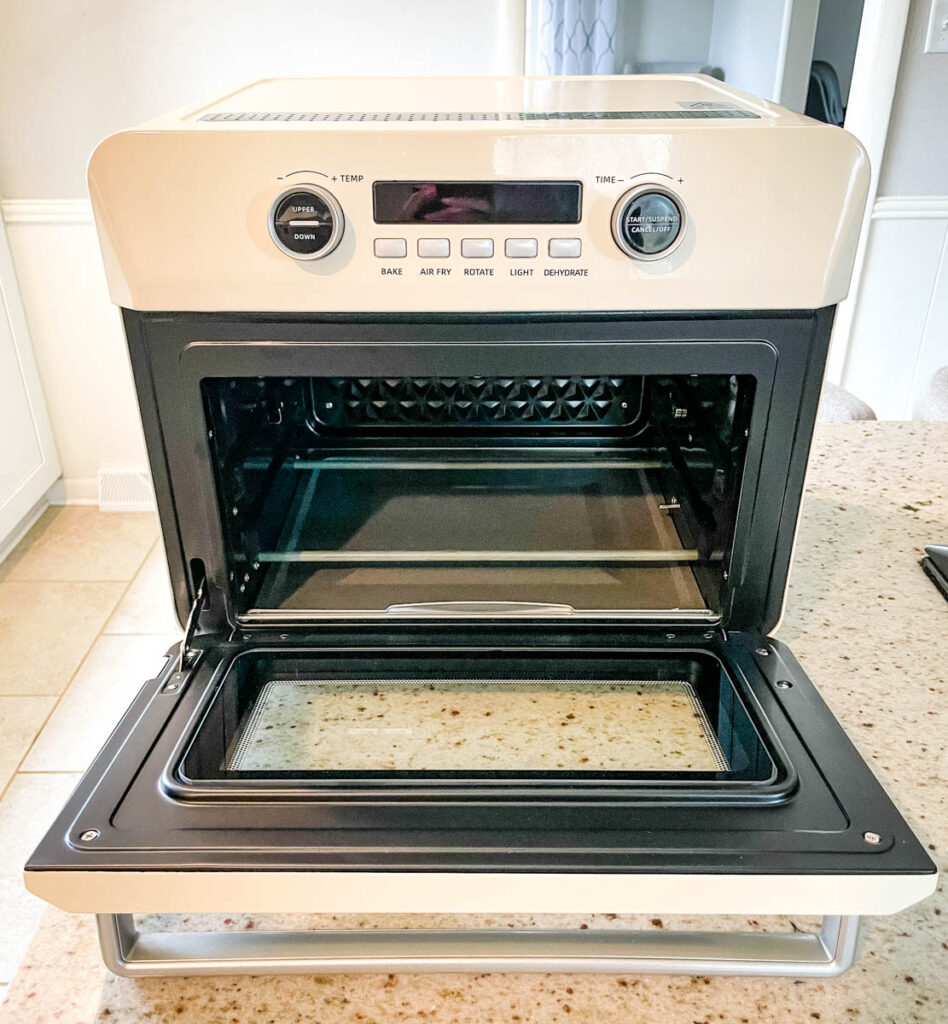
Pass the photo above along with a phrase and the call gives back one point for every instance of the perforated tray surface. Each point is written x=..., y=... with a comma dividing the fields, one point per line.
x=476, y=725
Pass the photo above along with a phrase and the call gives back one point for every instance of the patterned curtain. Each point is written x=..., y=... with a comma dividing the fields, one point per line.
x=571, y=37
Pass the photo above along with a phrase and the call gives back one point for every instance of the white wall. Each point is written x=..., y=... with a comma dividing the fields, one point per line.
x=745, y=38
x=900, y=325
x=763, y=46
x=666, y=30
x=73, y=71
x=916, y=156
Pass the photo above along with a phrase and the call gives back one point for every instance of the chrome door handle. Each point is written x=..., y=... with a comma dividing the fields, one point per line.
x=480, y=608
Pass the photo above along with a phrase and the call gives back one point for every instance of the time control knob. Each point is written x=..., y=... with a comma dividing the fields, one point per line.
x=306, y=222
x=648, y=222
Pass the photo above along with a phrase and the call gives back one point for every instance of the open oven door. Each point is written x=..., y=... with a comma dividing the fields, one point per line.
x=758, y=805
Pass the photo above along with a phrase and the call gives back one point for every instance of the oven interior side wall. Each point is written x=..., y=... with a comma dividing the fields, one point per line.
x=158, y=344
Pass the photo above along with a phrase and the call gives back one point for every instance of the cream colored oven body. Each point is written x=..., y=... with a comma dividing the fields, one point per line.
x=773, y=200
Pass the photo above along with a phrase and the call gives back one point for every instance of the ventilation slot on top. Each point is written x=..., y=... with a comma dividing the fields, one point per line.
x=499, y=115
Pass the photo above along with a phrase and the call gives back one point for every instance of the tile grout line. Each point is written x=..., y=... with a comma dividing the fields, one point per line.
x=78, y=669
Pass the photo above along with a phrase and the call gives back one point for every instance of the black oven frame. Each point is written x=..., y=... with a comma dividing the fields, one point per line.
x=785, y=352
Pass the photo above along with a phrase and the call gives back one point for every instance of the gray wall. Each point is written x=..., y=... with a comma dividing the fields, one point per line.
x=916, y=157
x=837, y=32
x=72, y=71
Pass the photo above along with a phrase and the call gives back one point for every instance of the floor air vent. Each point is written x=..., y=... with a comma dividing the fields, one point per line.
x=125, y=490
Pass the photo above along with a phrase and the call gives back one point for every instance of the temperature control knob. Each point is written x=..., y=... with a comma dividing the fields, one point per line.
x=648, y=222
x=306, y=222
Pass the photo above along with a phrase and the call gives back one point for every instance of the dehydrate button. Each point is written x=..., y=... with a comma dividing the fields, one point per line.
x=565, y=248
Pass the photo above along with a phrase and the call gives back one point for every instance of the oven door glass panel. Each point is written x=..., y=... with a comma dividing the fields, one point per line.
x=478, y=495
x=490, y=721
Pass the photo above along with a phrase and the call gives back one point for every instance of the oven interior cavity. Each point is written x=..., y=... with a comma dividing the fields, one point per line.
x=478, y=495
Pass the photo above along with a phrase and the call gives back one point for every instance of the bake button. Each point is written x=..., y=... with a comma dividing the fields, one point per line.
x=432, y=248
x=565, y=248
x=391, y=248
x=520, y=248
x=477, y=248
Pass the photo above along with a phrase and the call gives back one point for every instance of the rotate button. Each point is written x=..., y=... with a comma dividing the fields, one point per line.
x=477, y=248
x=391, y=248
x=566, y=248
x=520, y=248
x=434, y=248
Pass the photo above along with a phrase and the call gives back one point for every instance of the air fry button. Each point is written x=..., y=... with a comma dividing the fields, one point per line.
x=306, y=223
x=648, y=222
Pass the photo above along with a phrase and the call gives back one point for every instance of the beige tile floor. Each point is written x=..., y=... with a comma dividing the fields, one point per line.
x=85, y=618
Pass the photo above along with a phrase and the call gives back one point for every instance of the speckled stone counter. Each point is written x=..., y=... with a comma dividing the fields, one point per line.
x=872, y=632
x=476, y=725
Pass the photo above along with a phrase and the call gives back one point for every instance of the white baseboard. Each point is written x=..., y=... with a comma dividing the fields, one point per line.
x=74, y=491
x=22, y=528
x=46, y=211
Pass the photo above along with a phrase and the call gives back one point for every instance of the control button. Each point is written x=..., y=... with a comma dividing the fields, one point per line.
x=391, y=248
x=566, y=248
x=306, y=222
x=648, y=222
x=477, y=248
x=520, y=248
x=434, y=248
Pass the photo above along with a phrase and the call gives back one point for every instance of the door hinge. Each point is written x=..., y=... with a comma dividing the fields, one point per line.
x=187, y=656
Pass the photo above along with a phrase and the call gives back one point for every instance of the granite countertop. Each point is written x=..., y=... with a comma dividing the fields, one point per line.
x=872, y=632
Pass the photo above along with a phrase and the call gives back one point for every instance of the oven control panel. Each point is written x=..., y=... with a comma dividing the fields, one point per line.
x=648, y=222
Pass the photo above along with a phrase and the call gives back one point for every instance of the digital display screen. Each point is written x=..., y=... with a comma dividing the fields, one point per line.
x=477, y=202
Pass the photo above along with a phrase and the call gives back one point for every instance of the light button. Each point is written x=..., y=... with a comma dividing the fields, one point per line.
x=391, y=248
x=565, y=248
x=477, y=248
x=520, y=248
x=434, y=248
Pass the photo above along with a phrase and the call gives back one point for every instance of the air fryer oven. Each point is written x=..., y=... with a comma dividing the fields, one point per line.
x=478, y=566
